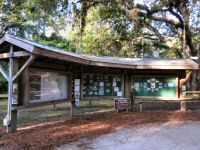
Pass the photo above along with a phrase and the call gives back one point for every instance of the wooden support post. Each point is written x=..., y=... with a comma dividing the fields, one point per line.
x=183, y=106
x=184, y=81
x=140, y=105
x=90, y=103
x=73, y=108
x=11, y=116
x=13, y=124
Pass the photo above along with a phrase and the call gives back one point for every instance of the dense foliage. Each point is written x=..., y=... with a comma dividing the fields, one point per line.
x=127, y=28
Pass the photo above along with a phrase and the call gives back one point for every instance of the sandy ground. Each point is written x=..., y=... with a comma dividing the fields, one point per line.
x=150, y=130
x=166, y=136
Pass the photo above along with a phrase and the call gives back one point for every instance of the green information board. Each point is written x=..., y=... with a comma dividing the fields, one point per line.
x=157, y=87
x=101, y=85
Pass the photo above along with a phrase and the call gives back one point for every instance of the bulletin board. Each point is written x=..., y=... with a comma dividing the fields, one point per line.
x=101, y=85
x=47, y=85
x=156, y=87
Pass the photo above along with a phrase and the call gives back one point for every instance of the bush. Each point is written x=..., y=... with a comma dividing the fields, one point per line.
x=3, y=86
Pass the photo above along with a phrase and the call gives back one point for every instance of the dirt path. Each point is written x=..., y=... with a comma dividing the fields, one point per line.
x=166, y=136
x=89, y=127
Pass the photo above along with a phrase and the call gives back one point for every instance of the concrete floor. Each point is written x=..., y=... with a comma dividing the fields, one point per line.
x=168, y=136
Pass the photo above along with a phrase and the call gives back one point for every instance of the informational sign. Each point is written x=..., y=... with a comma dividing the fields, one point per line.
x=46, y=86
x=160, y=86
x=122, y=103
x=77, y=101
x=77, y=89
x=119, y=94
x=15, y=99
x=183, y=87
x=101, y=85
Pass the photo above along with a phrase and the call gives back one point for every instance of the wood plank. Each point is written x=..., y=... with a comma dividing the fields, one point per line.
x=69, y=86
x=28, y=62
x=45, y=65
x=61, y=56
x=19, y=43
x=192, y=92
x=24, y=87
x=15, y=54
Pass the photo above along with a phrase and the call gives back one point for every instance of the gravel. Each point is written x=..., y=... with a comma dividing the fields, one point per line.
x=166, y=136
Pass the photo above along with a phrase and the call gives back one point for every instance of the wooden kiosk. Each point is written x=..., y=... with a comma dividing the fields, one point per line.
x=40, y=75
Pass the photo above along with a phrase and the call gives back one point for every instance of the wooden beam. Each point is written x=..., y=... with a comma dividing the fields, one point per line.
x=3, y=72
x=10, y=94
x=2, y=40
x=46, y=65
x=28, y=62
x=15, y=54
x=20, y=43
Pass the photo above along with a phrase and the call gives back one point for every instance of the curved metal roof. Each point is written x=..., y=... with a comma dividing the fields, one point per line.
x=118, y=62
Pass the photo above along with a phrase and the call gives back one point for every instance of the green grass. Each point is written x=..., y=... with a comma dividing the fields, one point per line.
x=3, y=109
x=47, y=113
x=3, y=104
x=40, y=118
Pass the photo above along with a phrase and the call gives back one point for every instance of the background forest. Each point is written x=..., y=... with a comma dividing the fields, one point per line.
x=124, y=28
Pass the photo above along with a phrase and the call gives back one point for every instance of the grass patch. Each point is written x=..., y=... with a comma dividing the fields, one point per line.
x=41, y=117
x=3, y=107
x=3, y=104
x=48, y=113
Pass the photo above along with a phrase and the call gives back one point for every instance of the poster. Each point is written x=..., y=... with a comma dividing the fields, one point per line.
x=114, y=83
x=116, y=89
x=101, y=91
x=136, y=85
x=108, y=84
x=119, y=94
x=165, y=85
x=77, y=88
x=53, y=87
x=77, y=82
x=101, y=84
x=118, y=79
x=107, y=90
x=153, y=85
x=14, y=99
x=15, y=88
x=77, y=101
x=184, y=88
x=170, y=85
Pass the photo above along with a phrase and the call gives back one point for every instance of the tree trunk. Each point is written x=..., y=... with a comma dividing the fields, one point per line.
x=194, y=83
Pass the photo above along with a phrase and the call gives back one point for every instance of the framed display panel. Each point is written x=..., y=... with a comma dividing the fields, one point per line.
x=96, y=85
x=163, y=87
x=45, y=85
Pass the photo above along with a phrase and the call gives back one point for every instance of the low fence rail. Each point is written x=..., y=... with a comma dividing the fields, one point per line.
x=192, y=94
x=3, y=95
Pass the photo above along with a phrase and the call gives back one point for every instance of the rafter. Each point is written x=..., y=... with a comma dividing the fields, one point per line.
x=28, y=62
x=15, y=54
